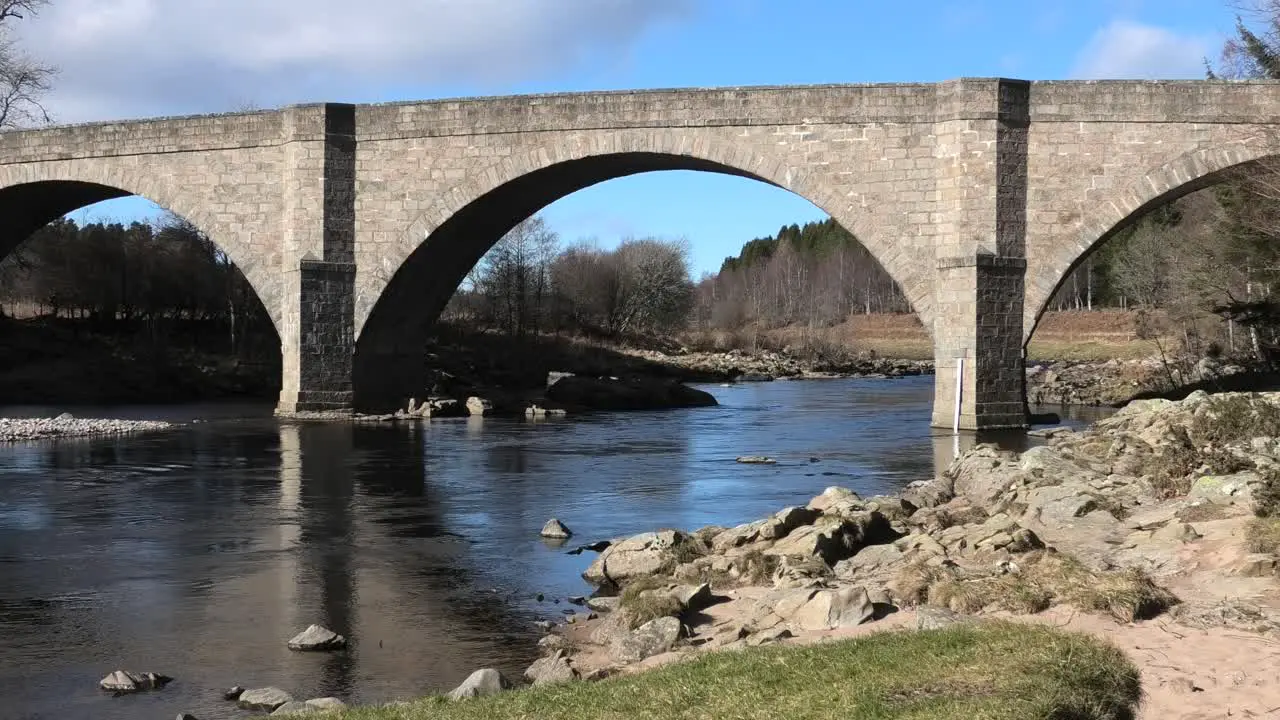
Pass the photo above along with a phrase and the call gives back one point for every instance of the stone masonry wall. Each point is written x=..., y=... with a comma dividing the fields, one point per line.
x=971, y=192
x=1100, y=153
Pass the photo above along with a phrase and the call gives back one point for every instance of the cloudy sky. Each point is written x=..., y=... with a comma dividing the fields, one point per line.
x=134, y=58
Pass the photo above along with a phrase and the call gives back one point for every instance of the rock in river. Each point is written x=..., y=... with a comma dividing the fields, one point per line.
x=317, y=637
x=640, y=394
x=316, y=705
x=124, y=681
x=555, y=529
x=267, y=698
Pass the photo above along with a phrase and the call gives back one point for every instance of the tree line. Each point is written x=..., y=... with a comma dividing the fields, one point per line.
x=816, y=274
x=528, y=284
x=1208, y=261
x=155, y=278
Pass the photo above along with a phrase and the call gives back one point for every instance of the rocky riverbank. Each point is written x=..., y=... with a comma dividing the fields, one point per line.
x=1154, y=528
x=1115, y=382
x=66, y=426
x=770, y=365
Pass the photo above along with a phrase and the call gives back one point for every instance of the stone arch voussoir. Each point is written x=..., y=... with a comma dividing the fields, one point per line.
x=140, y=182
x=1169, y=181
x=915, y=280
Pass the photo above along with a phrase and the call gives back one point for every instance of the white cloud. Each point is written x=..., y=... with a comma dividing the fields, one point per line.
x=1128, y=50
x=130, y=58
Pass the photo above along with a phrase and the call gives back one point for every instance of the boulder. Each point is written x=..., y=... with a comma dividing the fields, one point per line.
x=552, y=643
x=478, y=406
x=486, y=681
x=756, y=460
x=326, y=704
x=928, y=493
x=233, y=693
x=555, y=529
x=1060, y=504
x=317, y=638
x=934, y=618
x=831, y=609
x=870, y=559
x=554, y=668
x=797, y=571
x=832, y=497
x=765, y=637
x=982, y=475
x=638, y=394
x=556, y=376
x=736, y=536
x=652, y=638
x=267, y=698
x=125, y=681
x=693, y=598
x=604, y=604
x=637, y=556
x=786, y=520
x=833, y=540
x=1225, y=489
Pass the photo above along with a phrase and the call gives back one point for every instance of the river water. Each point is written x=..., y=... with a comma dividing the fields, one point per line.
x=198, y=552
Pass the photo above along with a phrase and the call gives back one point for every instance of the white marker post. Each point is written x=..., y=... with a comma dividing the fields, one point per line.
x=955, y=417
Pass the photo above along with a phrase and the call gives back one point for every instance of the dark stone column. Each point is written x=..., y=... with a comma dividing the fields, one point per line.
x=980, y=292
x=317, y=327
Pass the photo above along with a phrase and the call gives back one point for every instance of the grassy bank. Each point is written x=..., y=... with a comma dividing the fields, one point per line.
x=993, y=671
x=1078, y=336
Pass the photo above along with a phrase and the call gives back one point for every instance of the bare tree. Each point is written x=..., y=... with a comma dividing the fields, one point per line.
x=23, y=80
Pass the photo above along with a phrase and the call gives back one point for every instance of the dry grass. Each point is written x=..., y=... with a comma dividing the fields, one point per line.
x=1262, y=535
x=752, y=568
x=644, y=600
x=1204, y=512
x=1044, y=577
x=994, y=671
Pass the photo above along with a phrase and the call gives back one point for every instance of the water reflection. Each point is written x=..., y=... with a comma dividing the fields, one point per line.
x=199, y=552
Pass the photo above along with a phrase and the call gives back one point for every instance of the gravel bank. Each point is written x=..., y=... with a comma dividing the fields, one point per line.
x=19, y=429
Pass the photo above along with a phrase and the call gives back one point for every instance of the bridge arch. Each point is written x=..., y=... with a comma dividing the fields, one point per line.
x=1184, y=175
x=394, y=306
x=33, y=195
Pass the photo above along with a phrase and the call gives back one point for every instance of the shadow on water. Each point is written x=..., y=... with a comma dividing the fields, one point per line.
x=199, y=552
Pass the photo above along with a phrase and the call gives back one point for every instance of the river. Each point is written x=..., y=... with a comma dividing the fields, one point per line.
x=198, y=552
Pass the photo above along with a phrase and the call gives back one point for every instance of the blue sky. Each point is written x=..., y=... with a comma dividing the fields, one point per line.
x=619, y=44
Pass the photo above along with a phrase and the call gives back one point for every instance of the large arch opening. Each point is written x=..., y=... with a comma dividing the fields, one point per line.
x=106, y=297
x=1170, y=287
x=389, y=359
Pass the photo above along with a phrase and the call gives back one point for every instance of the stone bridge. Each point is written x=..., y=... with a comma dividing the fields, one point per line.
x=355, y=223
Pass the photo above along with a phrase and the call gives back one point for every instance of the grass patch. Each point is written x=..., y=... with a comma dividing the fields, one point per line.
x=1262, y=535
x=1044, y=578
x=995, y=671
x=644, y=600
